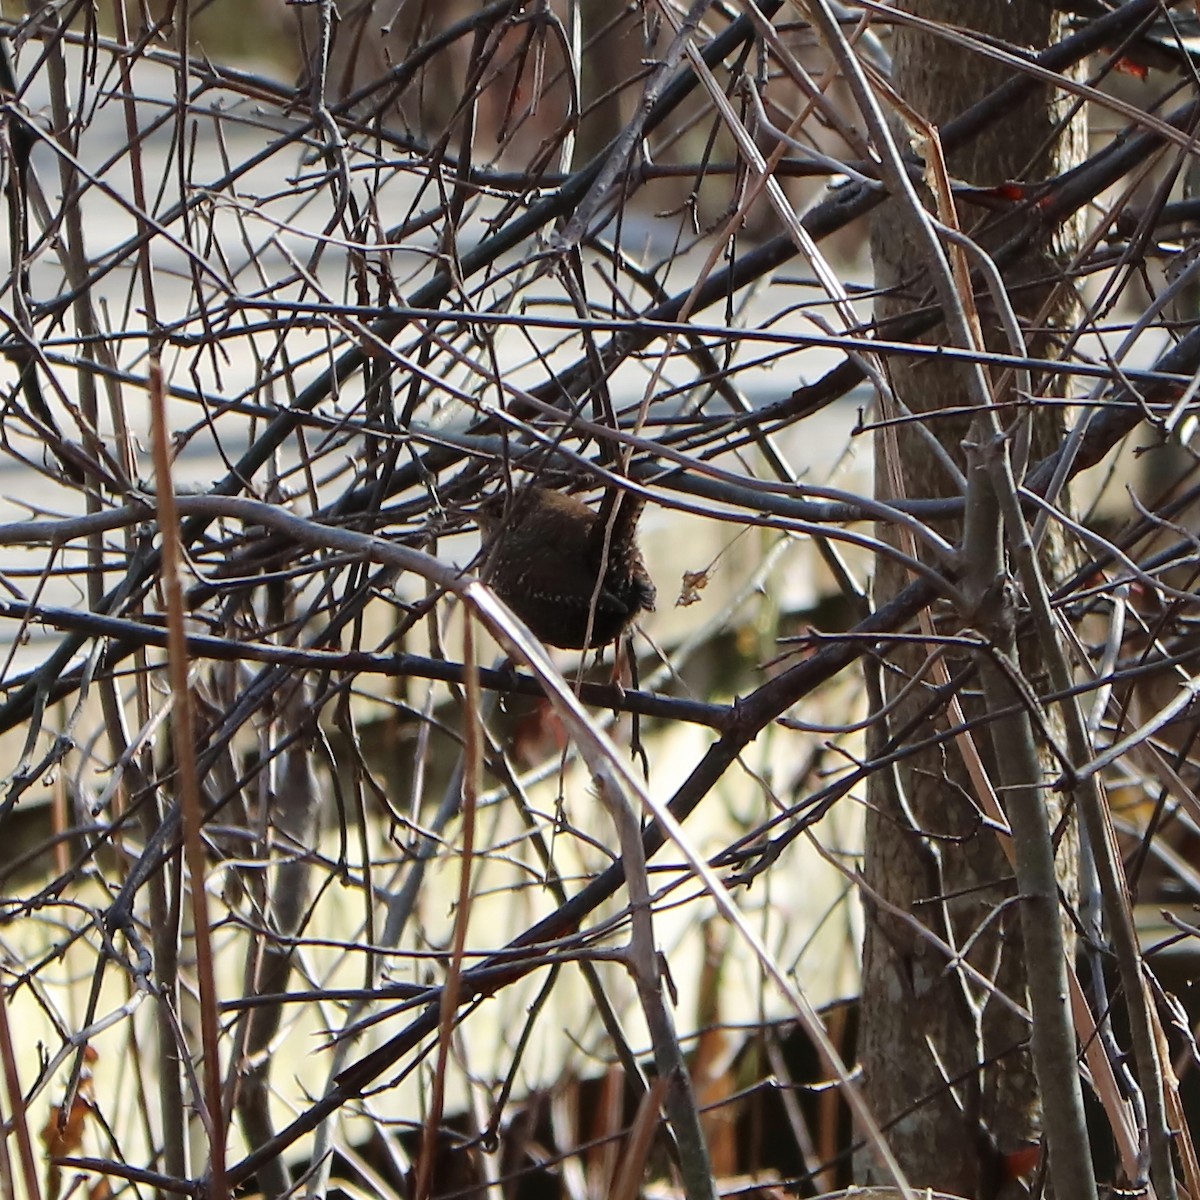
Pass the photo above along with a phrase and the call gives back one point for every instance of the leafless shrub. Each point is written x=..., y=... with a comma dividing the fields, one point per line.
x=302, y=885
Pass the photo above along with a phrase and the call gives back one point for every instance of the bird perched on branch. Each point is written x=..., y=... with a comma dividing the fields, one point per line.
x=548, y=552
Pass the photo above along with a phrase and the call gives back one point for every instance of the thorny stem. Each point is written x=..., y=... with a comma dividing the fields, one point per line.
x=1019, y=771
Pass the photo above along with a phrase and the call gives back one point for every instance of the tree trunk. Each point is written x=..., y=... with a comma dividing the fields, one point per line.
x=946, y=1066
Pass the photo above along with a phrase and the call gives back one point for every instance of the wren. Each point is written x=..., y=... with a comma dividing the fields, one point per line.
x=547, y=554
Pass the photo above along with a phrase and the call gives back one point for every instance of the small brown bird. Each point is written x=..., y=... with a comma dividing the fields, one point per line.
x=547, y=552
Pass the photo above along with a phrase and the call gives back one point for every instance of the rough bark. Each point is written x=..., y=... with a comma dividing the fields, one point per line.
x=927, y=852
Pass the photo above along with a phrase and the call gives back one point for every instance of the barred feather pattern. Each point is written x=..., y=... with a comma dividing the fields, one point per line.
x=547, y=555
